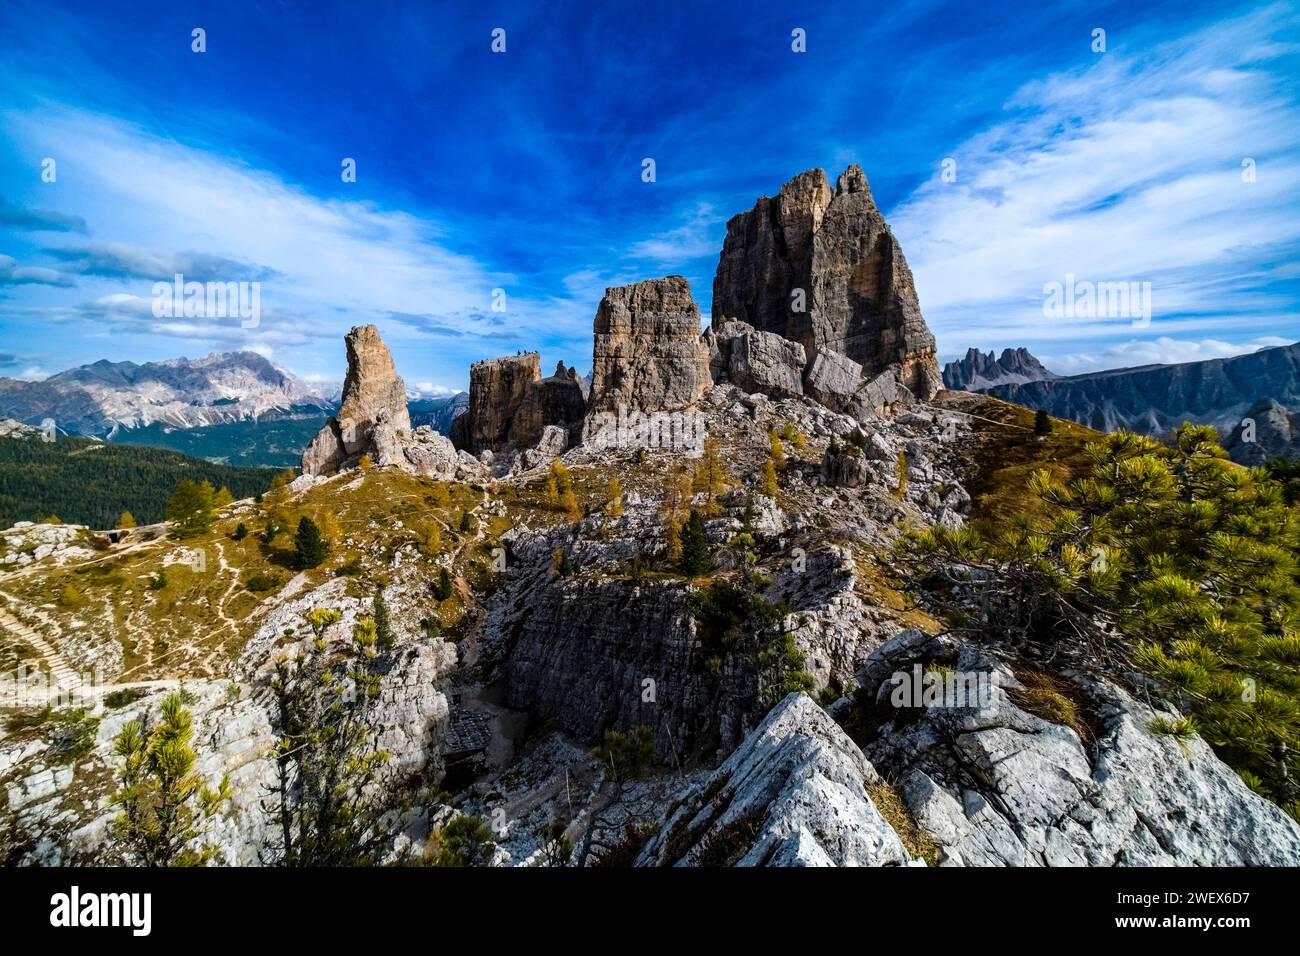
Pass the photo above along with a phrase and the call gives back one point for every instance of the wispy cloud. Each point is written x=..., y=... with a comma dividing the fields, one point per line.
x=1162, y=350
x=1129, y=169
x=700, y=234
x=13, y=216
x=11, y=273
x=122, y=261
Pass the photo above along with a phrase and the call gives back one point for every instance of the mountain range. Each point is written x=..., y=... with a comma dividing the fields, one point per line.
x=105, y=397
x=1155, y=399
x=228, y=407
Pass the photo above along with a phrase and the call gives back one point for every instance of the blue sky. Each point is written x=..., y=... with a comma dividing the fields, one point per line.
x=522, y=170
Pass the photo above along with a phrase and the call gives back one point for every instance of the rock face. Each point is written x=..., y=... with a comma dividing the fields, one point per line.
x=511, y=405
x=995, y=785
x=373, y=394
x=584, y=649
x=648, y=355
x=793, y=794
x=498, y=388
x=980, y=370
x=372, y=389
x=821, y=268
x=1155, y=399
x=1275, y=433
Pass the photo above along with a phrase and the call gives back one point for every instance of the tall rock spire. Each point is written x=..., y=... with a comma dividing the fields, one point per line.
x=821, y=268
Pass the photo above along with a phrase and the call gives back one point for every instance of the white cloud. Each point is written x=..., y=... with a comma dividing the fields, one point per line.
x=430, y=390
x=1159, y=351
x=1126, y=170
x=323, y=257
x=697, y=236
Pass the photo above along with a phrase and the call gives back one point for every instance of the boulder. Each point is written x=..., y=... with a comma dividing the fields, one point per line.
x=764, y=362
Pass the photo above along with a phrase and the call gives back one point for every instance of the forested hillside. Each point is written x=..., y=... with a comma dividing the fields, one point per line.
x=83, y=481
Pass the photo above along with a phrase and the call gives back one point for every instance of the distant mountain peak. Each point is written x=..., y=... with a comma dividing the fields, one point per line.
x=979, y=370
x=104, y=396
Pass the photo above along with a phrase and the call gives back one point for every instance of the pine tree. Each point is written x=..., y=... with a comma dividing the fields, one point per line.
x=1193, y=558
x=309, y=549
x=190, y=508
x=440, y=497
x=569, y=503
x=776, y=453
x=163, y=802
x=465, y=841
x=127, y=520
x=1042, y=423
x=696, y=559
x=443, y=588
x=384, y=638
x=466, y=522
x=222, y=498
x=333, y=798
x=241, y=532
x=769, y=478
x=556, y=846
x=900, y=488
x=710, y=473
x=626, y=754
x=430, y=538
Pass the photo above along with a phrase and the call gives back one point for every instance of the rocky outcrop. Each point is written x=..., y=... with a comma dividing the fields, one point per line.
x=1267, y=430
x=498, y=389
x=372, y=390
x=556, y=401
x=511, y=405
x=648, y=355
x=373, y=395
x=1155, y=399
x=585, y=649
x=793, y=794
x=845, y=467
x=821, y=268
x=979, y=370
x=995, y=785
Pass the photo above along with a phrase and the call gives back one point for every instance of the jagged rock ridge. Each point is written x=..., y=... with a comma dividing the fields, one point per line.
x=980, y=370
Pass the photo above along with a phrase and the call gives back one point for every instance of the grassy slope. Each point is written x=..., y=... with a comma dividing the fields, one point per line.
x=1006, y=455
